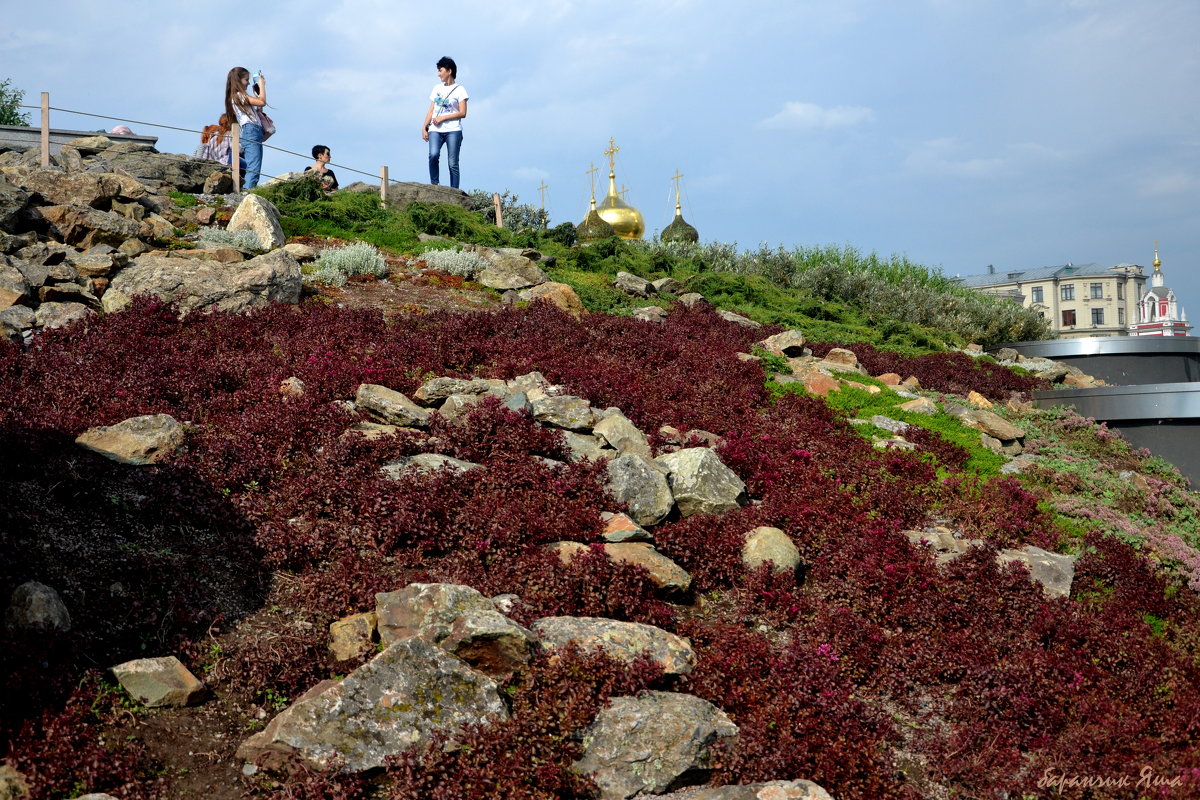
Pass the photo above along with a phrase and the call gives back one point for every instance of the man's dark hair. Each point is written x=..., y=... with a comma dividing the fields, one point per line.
x=318, y=149
x=448, y=63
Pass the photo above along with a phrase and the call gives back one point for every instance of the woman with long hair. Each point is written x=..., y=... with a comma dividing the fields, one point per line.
x=244, y=108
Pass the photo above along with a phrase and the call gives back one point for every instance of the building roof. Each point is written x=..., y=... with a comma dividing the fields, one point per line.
x=1036, y=274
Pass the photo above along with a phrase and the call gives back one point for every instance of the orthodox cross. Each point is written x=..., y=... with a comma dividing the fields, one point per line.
x=611, y=152
x=542, y=191
x=676, y=178
x=591, y=172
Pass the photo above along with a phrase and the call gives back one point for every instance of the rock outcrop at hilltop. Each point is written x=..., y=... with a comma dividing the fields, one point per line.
x=88, y=233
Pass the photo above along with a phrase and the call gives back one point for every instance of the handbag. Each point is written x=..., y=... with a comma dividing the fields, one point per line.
x=268, y=124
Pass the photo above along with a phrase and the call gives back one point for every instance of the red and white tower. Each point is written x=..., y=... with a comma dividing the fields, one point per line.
x=1158, y=312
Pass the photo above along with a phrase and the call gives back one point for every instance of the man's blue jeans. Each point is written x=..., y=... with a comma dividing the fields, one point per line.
x=253, y=150
x=453, y=140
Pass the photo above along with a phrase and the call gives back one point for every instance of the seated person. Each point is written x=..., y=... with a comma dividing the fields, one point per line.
x=321, y=154
x=216, y=143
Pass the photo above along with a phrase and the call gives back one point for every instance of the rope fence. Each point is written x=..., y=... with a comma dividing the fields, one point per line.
x=45, y=108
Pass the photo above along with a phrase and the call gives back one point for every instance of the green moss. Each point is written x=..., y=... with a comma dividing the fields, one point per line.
x=183, y=199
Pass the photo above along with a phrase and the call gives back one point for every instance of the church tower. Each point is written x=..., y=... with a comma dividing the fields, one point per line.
x=1158, y=311
x=593, y=228
x=679, y=230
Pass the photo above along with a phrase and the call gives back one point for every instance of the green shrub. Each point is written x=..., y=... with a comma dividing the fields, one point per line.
x=220, y=237
x=357, y=258
x=183, y=199
x=456, y=262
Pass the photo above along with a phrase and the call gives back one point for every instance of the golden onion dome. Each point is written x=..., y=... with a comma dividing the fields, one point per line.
x=626, y=220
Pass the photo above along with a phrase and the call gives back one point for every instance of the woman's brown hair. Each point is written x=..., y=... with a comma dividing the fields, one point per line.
x=233, y=88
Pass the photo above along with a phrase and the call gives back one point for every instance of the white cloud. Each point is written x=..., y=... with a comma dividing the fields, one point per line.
x=1166, y=185
x=942, y=157
x=797, y=116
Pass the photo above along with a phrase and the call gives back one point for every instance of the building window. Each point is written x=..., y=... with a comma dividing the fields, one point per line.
x=1068, y=317
x=1120, y=316
x=1097, y=291
x=1037, y=294
x=1097, y=316
x=1120, y=291
x=1067, y=292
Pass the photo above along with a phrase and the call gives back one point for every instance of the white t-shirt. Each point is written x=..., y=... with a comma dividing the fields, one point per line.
x=247, y=115
x=445, y=100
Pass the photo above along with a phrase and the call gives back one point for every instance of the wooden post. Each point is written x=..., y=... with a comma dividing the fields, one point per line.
x=383, y=186
x=499, y=214
x=45, y=129
x=235, y=154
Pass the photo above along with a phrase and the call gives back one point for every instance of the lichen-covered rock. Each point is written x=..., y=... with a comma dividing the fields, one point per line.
x=1054, y=571
x=15, y=321
x=84, y=226
x=159, y=682
x=459, y=620
x=390, y=407
x=765, y=544
x=558, y=294
x=632, y=284
x=201, y=284
x=622, y=435
x=621, y=640
x=94, y=189
x=653, y=743
x=583, y=446
x=426, y=462
x=36, y=606
x=650, y=314
x=667, y=286
x=260, y=215
x=352, y=636
x=642, y=486
x=508, y=270
x=736, y=319
x=394, y=702
x=14, y=288
x=700, y=483
x=138, y=440
x=985, y=421
x=921, y=405
x=436, y=390
x=564, y=411
x=789, y=343
x=620, y=528
x=771, y=790
x=668, y=577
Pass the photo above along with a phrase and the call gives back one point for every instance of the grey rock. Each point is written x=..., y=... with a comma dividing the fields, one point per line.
x=650, y=314
x=394, y=702
x=260, y=215
x=738, y=319
x=15, y=322
x=517, y=401
x=425, y=462
x=1007, y=354
x=620, y=528
x=434, y=391
x=159, y=682
x=642, y=486
x=137, y=441
x=84, y=226
x=92, y=265
x=632, y=284
x=184, y=173
x=564, y=411
x=700, y=483
x=692, y=299
x=1019, y=464
x=95, y=189
x=667, y=286
x=390, y=407
x=401, y=194
x=1054, y=571
x=584, y=446
x=35, y=606
x=992, y=424
x=652, y=743
x=622, y=435
x=624, y=641
x=765, y=544
x=59, y=315
x=771, y=790
x=198, y=284
x=68, y=293
x=456, y=407
x=889, y=424
x=508, y=271
x=459, y=620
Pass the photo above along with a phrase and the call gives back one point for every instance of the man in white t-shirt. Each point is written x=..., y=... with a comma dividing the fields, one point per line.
x=443, y=120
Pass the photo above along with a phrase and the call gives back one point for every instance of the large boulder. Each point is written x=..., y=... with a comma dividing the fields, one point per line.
x=459, y=620
x=624, y=641
x=642, y=486
x=1054, y=571
x=401, y=194
x=436, y=390
x=564, y=411
x=59, y=315
x=700, y=483
x=425, y=463
x=95, y=189
x=508, y=270
x=14, y=288
x=138, y=440
x=653, y=743
x=390, y=407
x=633, y=285
x=197, y=284
x=394, y=702
x=985, y=421
x=15, y=322
x=159, y=682
x=83, y=226
x=184, y=173
x=259, y=215
x=35, y=606
x=669, y=578
x=558, y=294
x=765, y=544
x=789, y=343
x=623, y=435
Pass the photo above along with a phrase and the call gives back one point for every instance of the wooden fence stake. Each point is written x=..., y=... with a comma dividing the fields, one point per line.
x=45, y=129
x=499, y=215
x=383, y=186
x=235, y=152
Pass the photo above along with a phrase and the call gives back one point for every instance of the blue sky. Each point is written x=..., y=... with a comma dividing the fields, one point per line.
x=960, y=133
